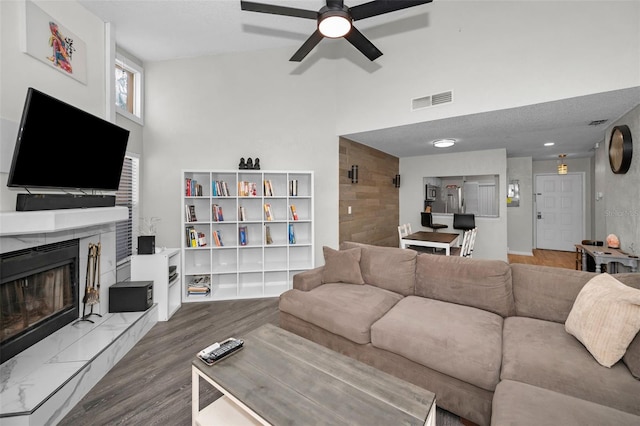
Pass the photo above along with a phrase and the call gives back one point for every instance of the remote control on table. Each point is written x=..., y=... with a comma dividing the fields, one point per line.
x=209, y=349
x=225, y=349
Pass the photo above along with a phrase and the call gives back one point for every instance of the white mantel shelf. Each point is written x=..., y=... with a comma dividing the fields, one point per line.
x=46, y=221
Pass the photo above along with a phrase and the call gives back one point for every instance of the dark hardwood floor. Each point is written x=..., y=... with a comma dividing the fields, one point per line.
x=151, y=385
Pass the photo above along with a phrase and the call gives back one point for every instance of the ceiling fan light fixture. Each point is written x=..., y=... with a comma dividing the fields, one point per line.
x=444, y=143
x=334, y=23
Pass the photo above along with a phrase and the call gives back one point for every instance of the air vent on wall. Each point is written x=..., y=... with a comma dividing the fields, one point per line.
x=431, y=100
x=597, y=122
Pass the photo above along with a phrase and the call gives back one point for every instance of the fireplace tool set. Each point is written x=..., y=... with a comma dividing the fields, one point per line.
x=92, y=282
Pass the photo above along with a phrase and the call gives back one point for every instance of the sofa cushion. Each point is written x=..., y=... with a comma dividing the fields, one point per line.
x=548, y=293
x=343, y=309
x=632, y=357
x=390, y=268
x=459, y=341
x=516, y=403
x=342, y=266
x=605, y=318
x=543, y=354
x=481, y=283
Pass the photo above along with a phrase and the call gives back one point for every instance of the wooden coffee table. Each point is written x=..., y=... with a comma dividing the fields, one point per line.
x=280, y=378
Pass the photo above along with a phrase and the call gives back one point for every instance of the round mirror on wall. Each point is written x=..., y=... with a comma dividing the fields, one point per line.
x=620, y=149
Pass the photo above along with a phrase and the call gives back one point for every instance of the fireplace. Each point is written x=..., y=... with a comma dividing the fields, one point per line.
x=38, y=294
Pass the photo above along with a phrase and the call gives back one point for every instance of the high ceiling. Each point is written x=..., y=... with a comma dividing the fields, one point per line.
x=155, y=30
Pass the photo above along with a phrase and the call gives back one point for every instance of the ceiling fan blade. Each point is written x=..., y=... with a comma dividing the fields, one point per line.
x=307, y=46
x=278, y=10
x=374, y=8
x=363, y=44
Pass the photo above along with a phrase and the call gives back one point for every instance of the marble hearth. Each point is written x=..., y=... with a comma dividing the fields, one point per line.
x=41, y=384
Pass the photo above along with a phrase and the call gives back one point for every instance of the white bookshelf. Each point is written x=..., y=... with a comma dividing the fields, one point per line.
x=257, y=269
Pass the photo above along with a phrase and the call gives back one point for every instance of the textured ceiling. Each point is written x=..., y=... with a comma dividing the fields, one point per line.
x=155, y=30
x=522, y=131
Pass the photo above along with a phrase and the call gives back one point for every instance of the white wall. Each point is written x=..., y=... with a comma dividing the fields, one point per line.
x=493, y=55
x=20, y=71
x=207, y=112
x=491, y=241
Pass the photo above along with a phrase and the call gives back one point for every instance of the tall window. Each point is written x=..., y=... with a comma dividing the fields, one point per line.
x=127, y=196
x=129, y=86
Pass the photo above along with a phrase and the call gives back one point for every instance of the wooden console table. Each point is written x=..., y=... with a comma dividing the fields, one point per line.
x=606, y=255
x=279, y=378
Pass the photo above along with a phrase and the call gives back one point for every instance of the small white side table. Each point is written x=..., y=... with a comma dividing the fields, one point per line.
x=155, y=267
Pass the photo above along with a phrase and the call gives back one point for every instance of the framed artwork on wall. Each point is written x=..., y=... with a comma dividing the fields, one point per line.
x=45, y=39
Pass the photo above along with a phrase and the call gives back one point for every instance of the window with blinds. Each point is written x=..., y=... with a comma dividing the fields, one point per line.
x=127, y=196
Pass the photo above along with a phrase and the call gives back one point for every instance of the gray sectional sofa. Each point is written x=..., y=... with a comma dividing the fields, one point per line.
x=488, y=338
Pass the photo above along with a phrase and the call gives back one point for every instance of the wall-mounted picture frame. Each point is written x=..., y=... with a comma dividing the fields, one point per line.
x=45, y=39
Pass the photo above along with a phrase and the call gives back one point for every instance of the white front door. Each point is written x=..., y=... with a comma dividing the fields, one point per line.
x=559, y=211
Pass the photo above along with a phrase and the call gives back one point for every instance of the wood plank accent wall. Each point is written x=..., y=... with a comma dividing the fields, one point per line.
x=374, y=200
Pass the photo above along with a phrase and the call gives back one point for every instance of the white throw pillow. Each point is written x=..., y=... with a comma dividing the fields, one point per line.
x=605, y=317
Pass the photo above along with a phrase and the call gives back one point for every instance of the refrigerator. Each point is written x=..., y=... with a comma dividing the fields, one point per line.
x=453, y=199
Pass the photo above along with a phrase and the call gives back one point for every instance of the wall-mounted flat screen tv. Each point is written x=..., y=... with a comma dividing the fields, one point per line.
x=61, y=146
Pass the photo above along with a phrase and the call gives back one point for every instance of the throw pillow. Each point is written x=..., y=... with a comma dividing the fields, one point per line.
x=605, y=317
x=342, y=266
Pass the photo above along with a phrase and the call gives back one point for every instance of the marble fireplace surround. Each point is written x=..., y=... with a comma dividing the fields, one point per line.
x=41, y=384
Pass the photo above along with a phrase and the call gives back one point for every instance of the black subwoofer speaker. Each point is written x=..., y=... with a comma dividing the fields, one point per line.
x=131, y=296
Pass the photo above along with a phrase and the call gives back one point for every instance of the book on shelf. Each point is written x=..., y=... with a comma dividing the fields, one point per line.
x=192, y=188
x=294, y=213
x=268, y=214
x=268, y=188
x=242, y=214
x=192, y=237
x=267, y=235
x=293, y=188
x=220, y=188
x=243, y=237
x=216, y=213
x=217, y=238
x=195, y=238
x=190, y=210
x=292, y=235
x=199, y=285
x=247, y=189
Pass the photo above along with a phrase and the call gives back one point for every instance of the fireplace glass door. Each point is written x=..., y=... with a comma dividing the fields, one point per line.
x=38, y=294
x=28, y=301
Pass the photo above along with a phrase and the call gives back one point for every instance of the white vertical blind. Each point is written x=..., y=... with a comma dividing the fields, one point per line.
x=127, y=196
x=487, y=200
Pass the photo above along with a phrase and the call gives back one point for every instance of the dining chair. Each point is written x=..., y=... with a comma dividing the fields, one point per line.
x=472, y=242
x=464, y=221
x=427, y=222
x=403, y=231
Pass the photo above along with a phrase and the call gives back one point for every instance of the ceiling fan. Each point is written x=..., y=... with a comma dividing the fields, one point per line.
x=335, y=21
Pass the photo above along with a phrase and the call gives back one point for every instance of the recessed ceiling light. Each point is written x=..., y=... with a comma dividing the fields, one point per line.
x=444, y=143
x=549, y=143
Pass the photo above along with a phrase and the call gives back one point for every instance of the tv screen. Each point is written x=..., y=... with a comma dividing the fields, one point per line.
x=61, y=146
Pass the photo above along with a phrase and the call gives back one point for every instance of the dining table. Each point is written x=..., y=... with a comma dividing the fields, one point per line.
x=442, y=240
